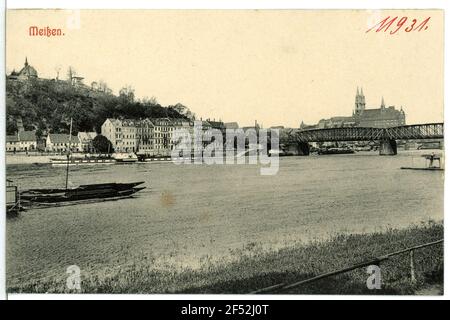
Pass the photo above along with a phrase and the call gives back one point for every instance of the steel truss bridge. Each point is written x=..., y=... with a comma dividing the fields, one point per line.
x=386, y=136
x=410, y=132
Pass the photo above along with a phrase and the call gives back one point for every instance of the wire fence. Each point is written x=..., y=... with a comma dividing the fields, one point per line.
x=375, y=261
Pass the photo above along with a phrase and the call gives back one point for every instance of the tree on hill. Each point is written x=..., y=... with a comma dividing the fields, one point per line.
x=102, y=144
x=127, y=94
x=183, y=110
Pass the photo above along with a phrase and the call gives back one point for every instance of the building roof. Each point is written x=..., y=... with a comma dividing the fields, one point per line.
x=129, y=122
x=62, y=138
x=116, y=122
x=231, y=125
x=28, y=70
x=217, y=124
x=159, y=121
x=145, y=123
x=309, y=127
x=86, y=136
x=380, y=114
x=27, y=135
x=12, y=138
x=205, y=123
x=181, y=122
x=340, y=118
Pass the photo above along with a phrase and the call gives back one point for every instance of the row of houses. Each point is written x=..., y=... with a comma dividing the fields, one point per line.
x=21, y=141
x=60, y=142
x=25, y=141
x=152, y=137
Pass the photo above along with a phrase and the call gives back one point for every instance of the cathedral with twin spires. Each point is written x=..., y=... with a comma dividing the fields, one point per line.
x=382, y=117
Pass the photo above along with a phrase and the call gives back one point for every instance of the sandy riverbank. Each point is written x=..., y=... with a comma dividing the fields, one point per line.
x=31, y=159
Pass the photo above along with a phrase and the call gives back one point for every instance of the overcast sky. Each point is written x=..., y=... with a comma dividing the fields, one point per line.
x=277, y=67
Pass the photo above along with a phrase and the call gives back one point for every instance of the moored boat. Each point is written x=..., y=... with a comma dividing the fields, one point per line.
x=82, y=161
x=432, y=163
x=97, y=186
x=83, y=192
x=335, y=151
x=124, y=157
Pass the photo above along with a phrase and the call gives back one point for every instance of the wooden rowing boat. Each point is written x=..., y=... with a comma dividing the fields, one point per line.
x=83, y=192
x=97, y=186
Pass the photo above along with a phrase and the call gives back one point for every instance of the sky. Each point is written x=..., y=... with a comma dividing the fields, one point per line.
x=279, y=67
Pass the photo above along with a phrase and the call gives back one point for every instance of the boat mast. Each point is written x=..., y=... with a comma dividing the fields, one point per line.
x=68, y=154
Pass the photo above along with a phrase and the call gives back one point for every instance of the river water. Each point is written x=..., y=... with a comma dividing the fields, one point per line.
x=188, y=212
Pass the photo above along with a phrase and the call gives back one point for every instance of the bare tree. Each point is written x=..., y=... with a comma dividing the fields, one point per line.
x=183, y=110
x=127, y=93
x=152, y=100
x=103, y=87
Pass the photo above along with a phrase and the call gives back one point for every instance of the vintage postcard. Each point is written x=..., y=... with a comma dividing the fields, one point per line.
x=225, y=152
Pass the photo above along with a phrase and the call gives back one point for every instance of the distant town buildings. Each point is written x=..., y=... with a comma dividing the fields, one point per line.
x=148, y=136
x=12, y=143
x=163, y=130
x=22, y=141
x=382, y=117
x=125, y=135
x=86, y=139
x=151, y=137
x=25, y=141
x=60, y=142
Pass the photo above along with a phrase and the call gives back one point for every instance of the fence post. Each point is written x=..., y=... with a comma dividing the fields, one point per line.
x=411, y=263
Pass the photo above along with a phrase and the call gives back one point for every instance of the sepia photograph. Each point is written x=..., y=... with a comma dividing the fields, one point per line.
x=210, y=151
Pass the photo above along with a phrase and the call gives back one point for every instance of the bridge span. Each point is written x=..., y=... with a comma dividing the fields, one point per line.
x=386, y=136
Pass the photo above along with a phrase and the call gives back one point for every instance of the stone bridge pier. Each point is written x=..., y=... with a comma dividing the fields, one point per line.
x=388, y=147
x=298, y=148
x=303, y=148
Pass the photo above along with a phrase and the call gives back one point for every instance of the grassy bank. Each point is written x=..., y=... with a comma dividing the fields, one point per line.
x=254, y=268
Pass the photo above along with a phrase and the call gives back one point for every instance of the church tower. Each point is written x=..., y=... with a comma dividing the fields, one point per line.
x=360, y=102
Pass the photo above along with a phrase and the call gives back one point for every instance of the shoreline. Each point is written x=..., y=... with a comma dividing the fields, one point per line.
x=18, y=159
x=31, y=159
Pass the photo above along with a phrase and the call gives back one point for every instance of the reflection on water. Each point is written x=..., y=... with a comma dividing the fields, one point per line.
x=188, y=211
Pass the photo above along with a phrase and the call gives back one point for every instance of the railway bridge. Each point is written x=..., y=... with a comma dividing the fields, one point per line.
x=386, y=136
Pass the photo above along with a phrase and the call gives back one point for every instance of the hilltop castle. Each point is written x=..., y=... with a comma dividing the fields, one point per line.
x=382, y=117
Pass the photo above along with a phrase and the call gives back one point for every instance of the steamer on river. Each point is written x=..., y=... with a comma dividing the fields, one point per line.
x=95, y=160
